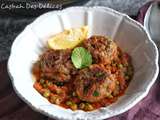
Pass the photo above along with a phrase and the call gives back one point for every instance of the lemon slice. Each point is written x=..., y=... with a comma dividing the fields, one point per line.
x=69, y=38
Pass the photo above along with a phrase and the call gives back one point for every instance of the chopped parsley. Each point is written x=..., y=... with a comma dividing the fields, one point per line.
x=59, y=83
x=96, y=93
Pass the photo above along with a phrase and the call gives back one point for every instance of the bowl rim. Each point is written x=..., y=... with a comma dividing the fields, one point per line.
x=139, y=98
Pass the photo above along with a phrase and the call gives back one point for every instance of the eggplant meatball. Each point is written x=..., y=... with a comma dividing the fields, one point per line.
x=94, y=83
x=103, y=50
x=56, y=65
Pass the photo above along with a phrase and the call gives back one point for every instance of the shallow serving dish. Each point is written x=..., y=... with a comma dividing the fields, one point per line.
x=128, y=34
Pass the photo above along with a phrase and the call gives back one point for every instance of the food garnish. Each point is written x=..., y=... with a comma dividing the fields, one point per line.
x=96, y=93
x=81, y=58
x=69, y=38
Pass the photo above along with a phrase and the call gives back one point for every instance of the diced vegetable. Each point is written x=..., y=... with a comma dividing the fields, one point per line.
x=110, y=96
x=44, y=85
x=37, y=86
x=46, y=93
x=49, y=83
x=88, y=107
x=74, y=106
x=42, y=81
x=73, y=94
x=59, y=83
x=82, y=106
x=58, y=91
x=99, y=74
x=120, y=65
x=55, y=99
x=102, y=73
x=53, y=88
x=68, y=103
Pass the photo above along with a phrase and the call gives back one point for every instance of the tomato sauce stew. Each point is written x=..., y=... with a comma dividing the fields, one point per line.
x=92, y=75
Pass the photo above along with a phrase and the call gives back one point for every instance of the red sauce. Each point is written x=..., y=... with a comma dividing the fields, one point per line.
x=66, y=90
x=64, y=95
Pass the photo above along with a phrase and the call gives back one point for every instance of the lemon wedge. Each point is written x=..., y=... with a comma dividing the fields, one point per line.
x=68, y=38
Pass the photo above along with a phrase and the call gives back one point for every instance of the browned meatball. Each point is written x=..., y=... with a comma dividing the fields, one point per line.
x=56, y=65
x=103, y=50
x=94, y=83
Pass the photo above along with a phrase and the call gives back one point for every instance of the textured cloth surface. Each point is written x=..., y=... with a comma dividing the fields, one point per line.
x=13, y=108
x=10, y=27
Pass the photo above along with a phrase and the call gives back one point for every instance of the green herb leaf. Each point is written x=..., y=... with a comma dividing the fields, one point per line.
x=59, y=83
x=96, y=93
x=81, y=58
x=46, y=93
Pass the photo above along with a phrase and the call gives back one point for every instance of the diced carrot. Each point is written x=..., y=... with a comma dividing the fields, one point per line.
x=52, y=88
x=112, y=86
x=64, y=105
x=37, y=86
x=96, y=105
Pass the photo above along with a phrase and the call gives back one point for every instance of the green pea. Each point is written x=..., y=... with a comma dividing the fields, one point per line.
x=42, y=81
x=120, y=65
x=69, y=103
x=88, y=107
x=46, y=93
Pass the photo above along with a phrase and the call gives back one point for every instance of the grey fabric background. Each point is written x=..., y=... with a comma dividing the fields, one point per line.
x=129, y=7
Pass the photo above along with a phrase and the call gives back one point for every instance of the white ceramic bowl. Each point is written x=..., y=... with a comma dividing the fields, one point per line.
x=127, y=33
